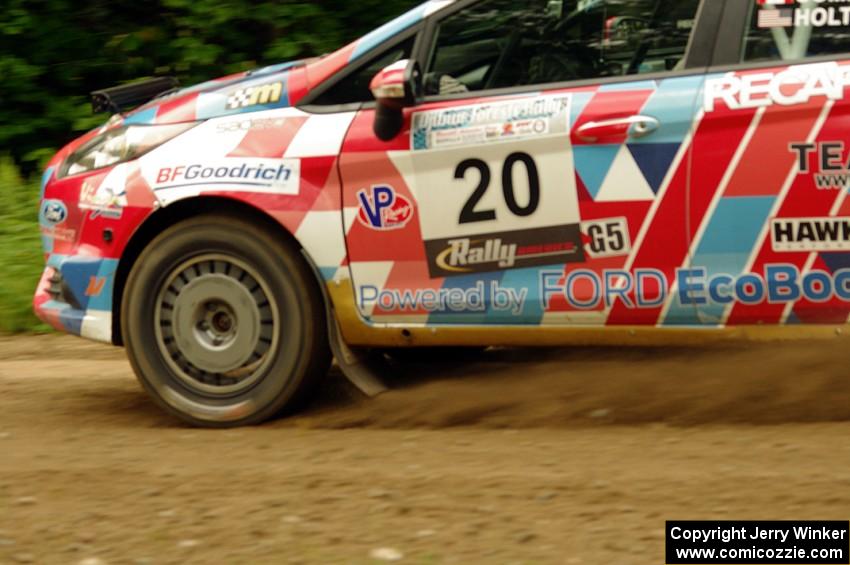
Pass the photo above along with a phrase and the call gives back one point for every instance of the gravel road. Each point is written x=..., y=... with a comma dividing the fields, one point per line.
x=573, y=456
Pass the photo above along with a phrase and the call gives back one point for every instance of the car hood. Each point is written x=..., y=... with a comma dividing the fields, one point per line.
x=278, y=86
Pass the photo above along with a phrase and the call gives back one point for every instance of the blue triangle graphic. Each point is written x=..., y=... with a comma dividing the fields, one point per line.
x=836, y=261
x=593, y=163
x=654, y=160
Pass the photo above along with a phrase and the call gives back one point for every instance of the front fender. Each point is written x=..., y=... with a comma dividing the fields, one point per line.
x=280, y=163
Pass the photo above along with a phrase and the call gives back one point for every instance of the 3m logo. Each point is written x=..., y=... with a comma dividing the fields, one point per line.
x=255, y=95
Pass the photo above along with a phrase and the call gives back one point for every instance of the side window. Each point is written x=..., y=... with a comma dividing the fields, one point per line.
x=505, y=43
x=789, y=32
x=355, y=87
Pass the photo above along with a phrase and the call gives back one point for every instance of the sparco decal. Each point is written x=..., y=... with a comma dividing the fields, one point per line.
x=794, y=85
x=810, y=234
x=382, y=209
x=505, y=250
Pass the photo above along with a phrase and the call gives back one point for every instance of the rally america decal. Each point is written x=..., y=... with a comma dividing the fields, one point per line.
x=501, y=251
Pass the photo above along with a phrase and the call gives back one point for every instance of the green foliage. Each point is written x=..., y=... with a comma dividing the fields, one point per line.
x=21, y=257
x=54, y=52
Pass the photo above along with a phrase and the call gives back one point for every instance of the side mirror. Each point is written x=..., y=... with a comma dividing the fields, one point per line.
x=396, y=87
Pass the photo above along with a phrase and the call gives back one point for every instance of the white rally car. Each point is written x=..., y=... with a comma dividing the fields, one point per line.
x=475, y=172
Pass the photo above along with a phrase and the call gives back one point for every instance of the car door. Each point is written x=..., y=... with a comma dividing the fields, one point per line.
x=770, y=182
x=543, y=179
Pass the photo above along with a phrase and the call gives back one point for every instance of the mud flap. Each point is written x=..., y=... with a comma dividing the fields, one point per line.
x=360, y=368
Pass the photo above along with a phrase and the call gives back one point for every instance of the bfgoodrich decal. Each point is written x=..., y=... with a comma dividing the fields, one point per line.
x=504, y=250
x=279, y=176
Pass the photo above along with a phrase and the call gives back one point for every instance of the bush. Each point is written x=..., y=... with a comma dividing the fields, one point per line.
x=54, y=52
x=21, y=258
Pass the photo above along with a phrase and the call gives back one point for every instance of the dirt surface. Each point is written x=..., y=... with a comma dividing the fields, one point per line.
x=519, y=456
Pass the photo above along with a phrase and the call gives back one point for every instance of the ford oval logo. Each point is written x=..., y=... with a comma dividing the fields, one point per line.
x=54, y=212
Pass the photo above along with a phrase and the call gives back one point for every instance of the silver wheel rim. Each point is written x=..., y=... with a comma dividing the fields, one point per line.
x=217, y=324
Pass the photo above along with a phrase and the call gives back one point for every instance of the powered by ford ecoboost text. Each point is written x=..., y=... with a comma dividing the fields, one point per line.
x=473, y=173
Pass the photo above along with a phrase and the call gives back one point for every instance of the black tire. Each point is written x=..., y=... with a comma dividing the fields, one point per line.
x=204, y=295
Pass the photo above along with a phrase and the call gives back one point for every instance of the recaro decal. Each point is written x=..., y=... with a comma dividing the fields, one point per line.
x=792, y=86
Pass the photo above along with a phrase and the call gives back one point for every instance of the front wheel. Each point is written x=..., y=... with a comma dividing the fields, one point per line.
x=223, y=323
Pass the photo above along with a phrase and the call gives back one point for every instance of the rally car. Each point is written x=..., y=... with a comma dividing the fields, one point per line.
x=473, y=173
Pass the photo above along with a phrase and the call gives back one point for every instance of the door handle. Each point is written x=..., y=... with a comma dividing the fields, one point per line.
x=633, y=126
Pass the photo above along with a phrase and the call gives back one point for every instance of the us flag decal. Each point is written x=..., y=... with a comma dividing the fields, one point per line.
x=782, y=17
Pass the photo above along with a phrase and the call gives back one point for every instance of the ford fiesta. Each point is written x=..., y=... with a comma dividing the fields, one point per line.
x=475, y=172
